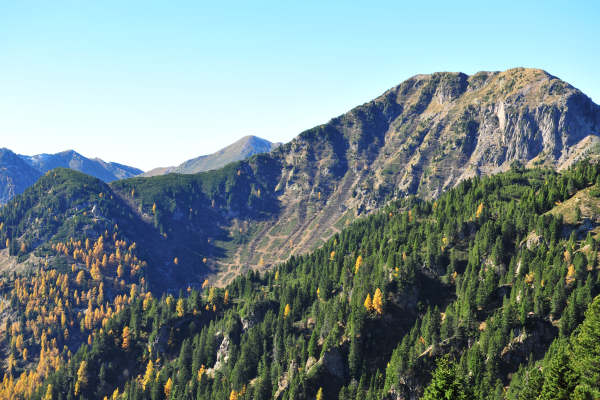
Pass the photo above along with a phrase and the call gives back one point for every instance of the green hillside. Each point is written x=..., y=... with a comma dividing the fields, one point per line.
x=481, y=289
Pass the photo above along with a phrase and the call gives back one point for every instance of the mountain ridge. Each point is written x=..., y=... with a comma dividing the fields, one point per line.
x=420, y=138
x=17, y=171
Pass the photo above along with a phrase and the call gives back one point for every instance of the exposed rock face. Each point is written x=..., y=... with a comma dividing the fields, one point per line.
x=533, y=340
x=421, y=137
x=222, y=355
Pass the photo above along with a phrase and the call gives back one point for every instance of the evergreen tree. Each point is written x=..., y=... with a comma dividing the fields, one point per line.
x=586, y=350
x=559, y=378
x=446, y=384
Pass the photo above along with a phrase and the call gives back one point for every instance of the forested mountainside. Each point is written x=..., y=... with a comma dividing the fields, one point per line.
x=182, y=285
x=18, y=172
x=239, y=150
x=421, y=137
x=480, y=294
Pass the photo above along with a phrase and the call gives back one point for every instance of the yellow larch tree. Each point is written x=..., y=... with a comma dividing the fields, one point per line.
x=201, y=372
x=179, y=308
x=149, y=375
x=168, y=388
x=571, y=273
x=378, y=301
x=368, y=303
x=126, y=338
x=82, y=378
x=479, y=210
x=80, y=278
x=359, y=261
x=320, y=394
x=48, y=395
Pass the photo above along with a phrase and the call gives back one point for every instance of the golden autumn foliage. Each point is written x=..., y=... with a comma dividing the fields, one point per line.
x=357, y=265
x=82, y=378
x=479, y=210
x=168, y=388
x=125, y=338
x=80, y=278
x=368, y=303
x=148, y=375
x=571, y=274
x=58, y=305
x=378, y=301
x=179, y=308
x=286, y=311
x=201, y=372
x=529, y=278
x=48, y=395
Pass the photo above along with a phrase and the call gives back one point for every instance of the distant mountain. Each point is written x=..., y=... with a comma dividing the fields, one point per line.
x=106, y=171
x=242, y=149
x=16, y=175
x=18, y=172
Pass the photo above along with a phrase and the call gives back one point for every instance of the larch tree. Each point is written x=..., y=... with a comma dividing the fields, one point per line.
x=378, y=301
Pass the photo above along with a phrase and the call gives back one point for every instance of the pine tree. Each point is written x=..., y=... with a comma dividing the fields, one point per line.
x=586, y=349
x=559, y=379
x=446, y=384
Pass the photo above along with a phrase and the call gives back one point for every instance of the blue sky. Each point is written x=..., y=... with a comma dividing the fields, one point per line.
x=153, y=83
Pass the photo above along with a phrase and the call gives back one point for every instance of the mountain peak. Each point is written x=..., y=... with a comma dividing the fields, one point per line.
x=244, y=147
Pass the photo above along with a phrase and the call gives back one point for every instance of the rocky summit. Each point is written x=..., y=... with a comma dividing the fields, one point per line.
x=419, y=138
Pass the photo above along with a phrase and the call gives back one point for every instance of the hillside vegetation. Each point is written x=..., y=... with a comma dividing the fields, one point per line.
x=481, y=289
x=380, y=255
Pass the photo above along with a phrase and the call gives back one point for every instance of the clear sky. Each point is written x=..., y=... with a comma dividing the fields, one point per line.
x=153, y=83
